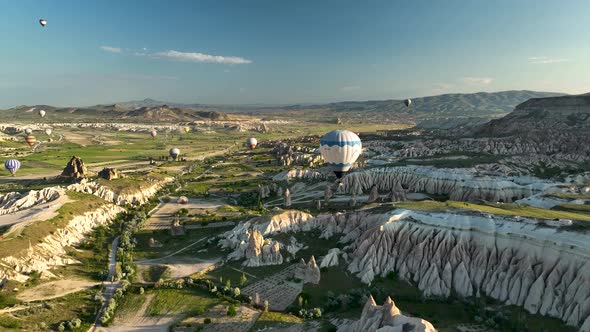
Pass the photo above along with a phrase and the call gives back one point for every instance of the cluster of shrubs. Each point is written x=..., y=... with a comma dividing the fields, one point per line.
x=69, y=325
x=109, y=312
x=310, y=313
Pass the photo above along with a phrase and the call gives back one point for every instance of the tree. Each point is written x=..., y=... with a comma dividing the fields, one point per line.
x=300, y=300
x=237, y=292
x=243, y=280
x=266, y=305
x=231, y=310
x=141, y=290
x=61, y=327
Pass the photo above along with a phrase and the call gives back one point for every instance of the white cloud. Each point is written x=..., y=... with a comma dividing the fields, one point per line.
x=200, y=57
x=478, y=80
x=543, y=60
x=111, y=49
x=350, y=88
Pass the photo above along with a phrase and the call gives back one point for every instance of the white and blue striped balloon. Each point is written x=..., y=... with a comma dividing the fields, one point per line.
x=340, y=149
x=12, y=165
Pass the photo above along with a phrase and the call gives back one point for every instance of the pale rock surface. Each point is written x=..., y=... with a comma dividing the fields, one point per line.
x=14, y=201
x=308, y=272
x=50, y=251
x=459, y=184
x=331, y=259
x=257, y=251
x=385, y=318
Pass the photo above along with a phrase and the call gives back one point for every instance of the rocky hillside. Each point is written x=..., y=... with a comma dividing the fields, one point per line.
x=567, y=114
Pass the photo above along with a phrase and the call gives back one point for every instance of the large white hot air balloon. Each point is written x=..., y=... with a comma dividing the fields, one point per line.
x=408, y=102
x=43, y=22
x=340, y=149
x=174, y=153
x=154, y=133
x=48, y=131
x=251, y=143
x=42, y=113
x=28, y=131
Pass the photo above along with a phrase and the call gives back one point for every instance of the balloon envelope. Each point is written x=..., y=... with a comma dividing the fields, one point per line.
x=42, y=113
x=251, y=143
x=31, y=140
x=12, y=165
x=408, y=102
x=28, y=131
x=340, y=149
x=187, y=129
x=174, y=153
x=48, y=131
x=154, y=133
x=43, y=22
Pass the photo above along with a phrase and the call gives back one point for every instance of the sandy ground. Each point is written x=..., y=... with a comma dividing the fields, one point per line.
x=178, y=266
x=141, y=321
x=53, y=289
x=162, y=217
x=36, y=213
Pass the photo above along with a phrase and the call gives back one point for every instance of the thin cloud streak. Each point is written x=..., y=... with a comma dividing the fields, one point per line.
x=111, y=49
x=478, y=80
x=200, y=57
x=543, y=60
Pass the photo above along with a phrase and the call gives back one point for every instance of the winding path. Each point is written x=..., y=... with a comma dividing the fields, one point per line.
x=109, y=286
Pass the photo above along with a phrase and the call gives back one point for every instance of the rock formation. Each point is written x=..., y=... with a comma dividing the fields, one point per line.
x=373, y=194
x=50, y=251
x=108, y=173
x=308, y=272
x=287, y=198
x=386, y=318
x=331, y=259
x=257, y=251
x=542, y=269
x=96, y=189
x=459, y=184
x=14, y=201
x=75, y=169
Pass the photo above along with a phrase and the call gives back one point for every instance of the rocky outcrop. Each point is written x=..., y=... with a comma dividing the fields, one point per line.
x=287, y=154
x=459, y=184
x=108, y=173
x=75, y=169
x=300, y=174
x=50, y=251
x=14, y=201
x=104, y=192
x=385, y=318
x=257, y=251
x=307, y=272
x=543, y=270
x=331, y=259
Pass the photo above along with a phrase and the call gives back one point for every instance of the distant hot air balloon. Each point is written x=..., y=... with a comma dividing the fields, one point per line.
x=340, y=149
x=187, y=129
x=31, y=140
x=174, y=153
x=408, y=102
x=154, y=133
x=48, y=131
x=182, y=200
x=43, y=22
x=251, y=143
x=12, y=165
x=42, y=113
x=28, y=131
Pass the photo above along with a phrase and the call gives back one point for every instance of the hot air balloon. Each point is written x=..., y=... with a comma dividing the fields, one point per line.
x=154, y=133
x=408, y=102
x=42, y=113
x=251, y=143
x=48, y=131
x=182, y=200
x=12, y=165
x=28, y=131
x=186, y=129
x=31, y=140
x=340, y=149
x=174, y=153
x=43, y=22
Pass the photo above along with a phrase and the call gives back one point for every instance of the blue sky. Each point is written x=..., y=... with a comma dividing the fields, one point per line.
x=282, y=52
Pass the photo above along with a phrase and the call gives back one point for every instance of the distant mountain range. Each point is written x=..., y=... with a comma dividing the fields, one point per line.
x=482, y=104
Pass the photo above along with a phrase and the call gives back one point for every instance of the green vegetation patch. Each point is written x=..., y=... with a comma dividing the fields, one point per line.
x=192, y=301
x=269, y=320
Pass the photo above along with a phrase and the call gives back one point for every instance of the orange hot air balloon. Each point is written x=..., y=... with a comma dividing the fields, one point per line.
x=31, y=140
